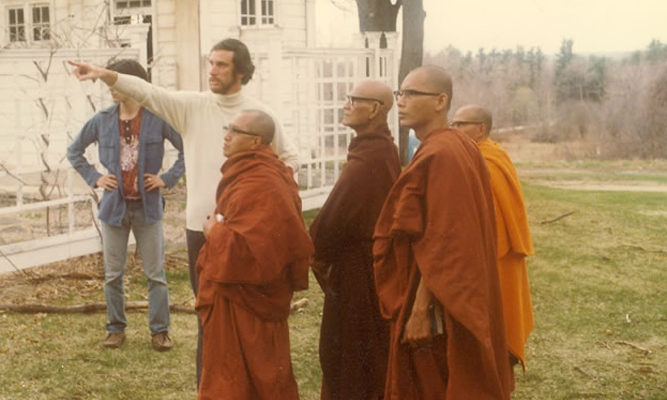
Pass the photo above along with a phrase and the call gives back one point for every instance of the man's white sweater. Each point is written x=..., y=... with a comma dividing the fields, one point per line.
x=199, y=117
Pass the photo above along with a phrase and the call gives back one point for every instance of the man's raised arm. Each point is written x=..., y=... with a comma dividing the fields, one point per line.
x=88, y=72
x=170, y=105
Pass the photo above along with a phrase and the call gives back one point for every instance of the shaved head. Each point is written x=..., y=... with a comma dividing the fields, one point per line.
x=474, y=121
x=474, y=113
x=436, y=79
x=375, y=90
x=367, y=107
x=262, y=124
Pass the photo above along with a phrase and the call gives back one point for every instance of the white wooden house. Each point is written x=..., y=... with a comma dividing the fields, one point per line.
x=42, y=106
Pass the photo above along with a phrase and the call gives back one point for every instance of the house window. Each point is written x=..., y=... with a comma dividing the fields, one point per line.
x=40, y=23
x=132, y=12
x=257, y=12
x=30, y=22
x=16, y=25
x=267, y=12
x=120, y=4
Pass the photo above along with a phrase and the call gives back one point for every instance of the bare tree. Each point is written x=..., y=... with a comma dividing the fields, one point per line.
x=70, y=33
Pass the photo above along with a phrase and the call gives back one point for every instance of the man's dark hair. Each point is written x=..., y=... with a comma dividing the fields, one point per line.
x=242, y=62
x=129, y=67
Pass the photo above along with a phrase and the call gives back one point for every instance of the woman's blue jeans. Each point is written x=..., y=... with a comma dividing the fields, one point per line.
x=150, y=242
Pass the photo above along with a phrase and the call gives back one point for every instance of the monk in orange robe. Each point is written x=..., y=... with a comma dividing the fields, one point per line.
x=514, y=242
x=354, y=338
x=257, y=253
x=435, y=260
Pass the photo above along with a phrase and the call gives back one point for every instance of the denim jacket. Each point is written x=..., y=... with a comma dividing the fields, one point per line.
x=104, y=129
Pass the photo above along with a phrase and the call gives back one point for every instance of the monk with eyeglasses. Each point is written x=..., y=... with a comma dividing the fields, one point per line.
x=514, y=243
x=435, y=260
x=257, y=253
x=354, y=338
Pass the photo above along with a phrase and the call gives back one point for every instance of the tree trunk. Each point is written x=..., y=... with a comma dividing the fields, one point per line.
x=411, y=56
x=380, y=16
x=377, y=15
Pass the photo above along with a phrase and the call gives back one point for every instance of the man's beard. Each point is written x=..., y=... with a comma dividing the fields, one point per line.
x=223, y=88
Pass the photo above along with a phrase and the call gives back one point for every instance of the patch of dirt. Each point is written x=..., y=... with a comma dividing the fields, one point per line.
x=521, y=149
x=84, y=276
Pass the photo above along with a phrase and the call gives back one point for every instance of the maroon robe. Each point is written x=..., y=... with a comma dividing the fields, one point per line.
x=354, y=337
x=438, y=226
x=248, y=268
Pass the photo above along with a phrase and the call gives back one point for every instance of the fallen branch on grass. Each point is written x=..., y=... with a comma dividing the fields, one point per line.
x=101, y=307
x=85, y=308
x=548, y=221
x=637, y=247
x=581, y=371
x=299, y=305
x=642, y=349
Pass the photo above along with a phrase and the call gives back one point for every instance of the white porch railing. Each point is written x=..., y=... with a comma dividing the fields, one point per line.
x=310, y=95
x=42, y=107
x=306, y=87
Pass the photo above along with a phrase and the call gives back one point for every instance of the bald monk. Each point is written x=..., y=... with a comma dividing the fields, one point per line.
x=257, y=252
x=354, y=337
x=513, y=237
x=435, y=260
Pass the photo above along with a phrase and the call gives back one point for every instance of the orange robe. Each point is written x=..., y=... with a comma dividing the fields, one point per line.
x=438, y=225
x=354, y=338
x=514, y=244
x=248, y=269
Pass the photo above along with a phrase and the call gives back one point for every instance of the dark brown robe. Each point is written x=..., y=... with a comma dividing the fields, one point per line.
x=248, y=269
x=354, y=337
x=438, y=225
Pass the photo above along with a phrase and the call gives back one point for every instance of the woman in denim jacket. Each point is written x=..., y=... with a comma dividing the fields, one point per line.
x=130, y=141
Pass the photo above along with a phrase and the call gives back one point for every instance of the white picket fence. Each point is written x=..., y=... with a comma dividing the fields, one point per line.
x=39, y=117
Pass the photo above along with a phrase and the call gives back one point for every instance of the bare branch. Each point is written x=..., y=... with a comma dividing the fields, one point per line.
x=40, y=100
x=101, y=307
x=17, y=269
x=4, y=168
x=91, y=102
x=85, y=308
x=548, y=221
x=642, y=349
x=640, y=248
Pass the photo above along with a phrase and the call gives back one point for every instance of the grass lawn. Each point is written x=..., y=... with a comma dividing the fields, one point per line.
x=598, y=285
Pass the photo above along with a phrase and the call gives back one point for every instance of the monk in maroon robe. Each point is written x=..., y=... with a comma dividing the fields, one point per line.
x=256, y=254
x=435, y=260
x=354, y=338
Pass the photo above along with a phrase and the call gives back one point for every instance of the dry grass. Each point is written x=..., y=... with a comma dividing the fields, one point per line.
x=597, y=281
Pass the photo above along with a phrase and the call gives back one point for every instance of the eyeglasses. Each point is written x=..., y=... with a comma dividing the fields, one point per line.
x=456, y=124
x=411, y=92
x=233, y=129
x=354, y=99
x=127, y=135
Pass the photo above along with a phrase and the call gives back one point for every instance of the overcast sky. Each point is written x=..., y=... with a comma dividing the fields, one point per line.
x=594, y=25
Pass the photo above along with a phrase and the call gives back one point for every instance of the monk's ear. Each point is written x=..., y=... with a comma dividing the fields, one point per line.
x=375, y=111
x=443, y=102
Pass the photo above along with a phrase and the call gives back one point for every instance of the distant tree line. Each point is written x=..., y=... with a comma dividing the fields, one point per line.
x=617, y=104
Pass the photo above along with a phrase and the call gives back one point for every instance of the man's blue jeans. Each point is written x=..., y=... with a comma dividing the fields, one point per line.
x=150, y=242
